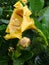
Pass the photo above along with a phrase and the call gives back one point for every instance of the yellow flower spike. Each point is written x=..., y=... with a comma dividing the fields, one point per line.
x=19, y=22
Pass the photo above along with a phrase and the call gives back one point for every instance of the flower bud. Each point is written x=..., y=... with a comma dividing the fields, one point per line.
x=24, y=42
x=10, y=49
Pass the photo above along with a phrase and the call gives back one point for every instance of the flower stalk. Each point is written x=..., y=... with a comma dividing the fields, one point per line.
x=44, y=37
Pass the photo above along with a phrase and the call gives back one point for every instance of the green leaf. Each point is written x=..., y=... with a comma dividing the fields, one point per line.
x=42, y=11
x=4, y=21
x=23, y=58
x=41, y=31
x=45, y=20
x=45, y=14
x=36, y=5
x=2, y=27
x=1, y=10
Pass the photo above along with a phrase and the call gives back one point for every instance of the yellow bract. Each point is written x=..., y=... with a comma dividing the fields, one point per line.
x=18, y=5
x=19, y=22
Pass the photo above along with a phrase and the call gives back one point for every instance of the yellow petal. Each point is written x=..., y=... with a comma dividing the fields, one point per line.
x=14, y=26
x=14, y=23
x=26, y=11
x=26, y=24
x=18, y=5
x=13, y=35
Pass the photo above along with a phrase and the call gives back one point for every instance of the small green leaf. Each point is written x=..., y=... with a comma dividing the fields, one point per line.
x=2, y=27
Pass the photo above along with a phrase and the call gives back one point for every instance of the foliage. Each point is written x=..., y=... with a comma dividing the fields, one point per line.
x=38, y=52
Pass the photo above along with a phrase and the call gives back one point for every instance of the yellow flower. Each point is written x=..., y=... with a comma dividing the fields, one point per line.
x=19, y=22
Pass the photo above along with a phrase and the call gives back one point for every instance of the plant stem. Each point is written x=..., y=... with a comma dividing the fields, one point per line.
x=44, y=37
